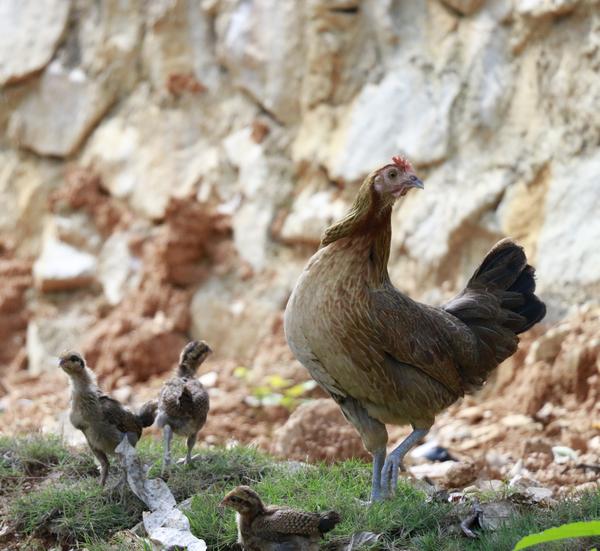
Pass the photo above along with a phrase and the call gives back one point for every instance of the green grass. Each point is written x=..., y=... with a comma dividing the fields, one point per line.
x=52, y=495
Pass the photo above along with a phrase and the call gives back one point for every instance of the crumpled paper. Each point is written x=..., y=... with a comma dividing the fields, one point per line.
x=166, y=526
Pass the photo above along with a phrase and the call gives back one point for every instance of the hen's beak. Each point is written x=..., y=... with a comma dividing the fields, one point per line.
x=414, y=181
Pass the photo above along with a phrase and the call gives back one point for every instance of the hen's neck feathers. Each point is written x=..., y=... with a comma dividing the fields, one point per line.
x=369, y=223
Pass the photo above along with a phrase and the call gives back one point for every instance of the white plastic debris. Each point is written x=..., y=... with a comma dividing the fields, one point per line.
x=166, y=526
x=563, y=454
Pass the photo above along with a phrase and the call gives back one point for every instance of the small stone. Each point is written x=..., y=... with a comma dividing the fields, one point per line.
x=537, y=445
x=540, y=495
x=518, y=420
x=472, y=414
x=460, y=474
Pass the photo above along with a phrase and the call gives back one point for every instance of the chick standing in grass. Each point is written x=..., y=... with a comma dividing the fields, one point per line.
x=183, y=403
x=102, y=419
x=271, y=528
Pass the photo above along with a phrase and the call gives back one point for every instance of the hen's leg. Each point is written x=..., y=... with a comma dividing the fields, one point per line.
x=378, y=460
x=191, y=441
x=374, y=436
x=168, y=435
x=393, y=463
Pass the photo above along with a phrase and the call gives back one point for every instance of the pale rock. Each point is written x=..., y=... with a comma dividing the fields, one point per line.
x=56, y=116
x=29, y=33
x=518, y=420
x=118, y=270
x=568, y=255
x=146, y=155
x=547, y=347
x=341, y=51
x=261, y=44
x=78, y=230
x=407, y=112
x=465, y=7
x=540, y=495
x=433, y=471
x=311, y=213
x=61, y=267
x=460, y=474
x=48, y=337
x=264, y=183
x=542, y=8
x=428, y=221
x=178, y=43
x=472, y=414
x=523, y=482
x=221, y=306
x=24, y=189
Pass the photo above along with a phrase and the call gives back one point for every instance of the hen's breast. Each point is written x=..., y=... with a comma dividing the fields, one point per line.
x=323, y=320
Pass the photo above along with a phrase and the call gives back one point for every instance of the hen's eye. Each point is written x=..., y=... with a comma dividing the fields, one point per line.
x=393, y=174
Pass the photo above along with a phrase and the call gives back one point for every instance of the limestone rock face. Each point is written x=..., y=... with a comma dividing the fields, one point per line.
x=29, y=34
x=187, y=156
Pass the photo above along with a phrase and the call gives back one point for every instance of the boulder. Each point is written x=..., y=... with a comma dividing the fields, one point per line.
x=317, y=431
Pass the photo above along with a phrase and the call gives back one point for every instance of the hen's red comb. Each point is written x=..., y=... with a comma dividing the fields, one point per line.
x=402, y=164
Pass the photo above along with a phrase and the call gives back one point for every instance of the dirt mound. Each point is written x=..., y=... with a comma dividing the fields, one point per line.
x=143, y=335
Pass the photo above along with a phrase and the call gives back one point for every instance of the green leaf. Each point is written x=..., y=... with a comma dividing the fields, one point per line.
x=571, y=530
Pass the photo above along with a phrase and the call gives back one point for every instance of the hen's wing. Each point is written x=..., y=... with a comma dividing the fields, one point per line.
x=421, y=336
x=119, y=416
x=278, y=525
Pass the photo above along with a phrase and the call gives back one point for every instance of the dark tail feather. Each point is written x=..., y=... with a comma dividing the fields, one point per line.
x=497, y=304
x=147, y=413
x=505, y=272
x=328, y=521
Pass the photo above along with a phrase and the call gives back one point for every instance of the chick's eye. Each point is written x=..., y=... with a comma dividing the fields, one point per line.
x=234, y=499
x=74, y=358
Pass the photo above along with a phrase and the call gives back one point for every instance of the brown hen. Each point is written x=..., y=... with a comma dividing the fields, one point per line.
x=271, y=528
x=382, y=356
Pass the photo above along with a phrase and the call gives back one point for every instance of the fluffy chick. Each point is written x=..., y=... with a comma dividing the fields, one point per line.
x=102, y=419
x=183, y=403
x=271, y=528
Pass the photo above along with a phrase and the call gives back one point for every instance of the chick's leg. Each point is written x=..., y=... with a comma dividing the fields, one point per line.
x=168, y=435
x=373, y=434
x=191, y=441
x=103, y=460
x=393, y=463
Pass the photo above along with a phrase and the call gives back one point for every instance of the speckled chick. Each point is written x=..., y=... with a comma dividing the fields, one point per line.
x=272, y=528
x=102, y=419
x=183, y=403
